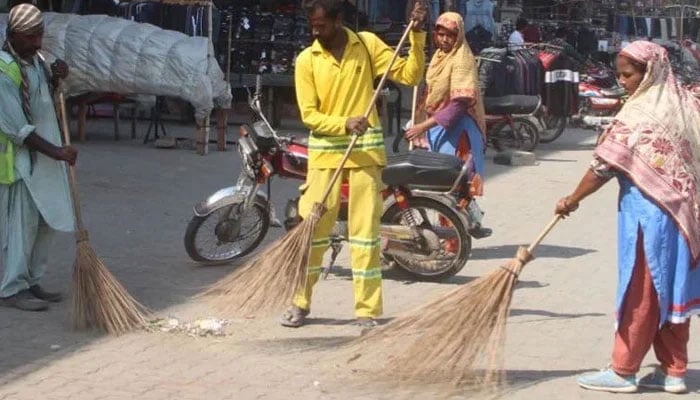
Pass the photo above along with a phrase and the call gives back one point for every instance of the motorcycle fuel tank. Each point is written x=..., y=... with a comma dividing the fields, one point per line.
x=295, y=161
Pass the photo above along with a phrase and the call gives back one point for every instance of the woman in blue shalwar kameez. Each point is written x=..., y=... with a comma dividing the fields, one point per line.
x=455, y=122
x=653, y=149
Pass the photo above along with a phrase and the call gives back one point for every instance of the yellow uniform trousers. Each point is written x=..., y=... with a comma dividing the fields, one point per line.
x=364, y=214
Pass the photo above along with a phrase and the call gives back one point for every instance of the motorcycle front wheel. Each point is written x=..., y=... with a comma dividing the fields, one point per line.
x=455, y=242
x=523, y=135
x=227, y=233
x=554, y=126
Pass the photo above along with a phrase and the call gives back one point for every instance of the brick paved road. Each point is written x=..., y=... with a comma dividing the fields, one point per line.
x=137, y=202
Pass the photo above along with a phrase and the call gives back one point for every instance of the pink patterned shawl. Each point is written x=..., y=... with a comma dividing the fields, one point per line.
x=655, y=141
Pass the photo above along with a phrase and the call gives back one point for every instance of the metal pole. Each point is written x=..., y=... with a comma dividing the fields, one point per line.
x=204, y=149
x=230, y=45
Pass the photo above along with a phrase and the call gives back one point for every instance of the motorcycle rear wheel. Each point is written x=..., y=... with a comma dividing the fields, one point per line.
x=554, y=127
x=433, y=270
x=209, y=244
x=523, y=136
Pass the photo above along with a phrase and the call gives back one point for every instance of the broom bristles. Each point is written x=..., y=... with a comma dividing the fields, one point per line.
x=270, y=280
x=99, y=300
x=457, y=338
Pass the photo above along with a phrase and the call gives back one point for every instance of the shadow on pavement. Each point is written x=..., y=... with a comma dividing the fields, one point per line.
x=552, y=315
x=520, y=379
x=294, y=345
x=543, y=251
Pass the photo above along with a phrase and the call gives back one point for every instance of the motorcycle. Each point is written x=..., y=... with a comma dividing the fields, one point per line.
x=424, y=226
x=600, y=98
x=509, y=119
x=509, y=122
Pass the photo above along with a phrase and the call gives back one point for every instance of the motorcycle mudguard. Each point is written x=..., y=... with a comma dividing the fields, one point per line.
x=437, y=196
x=224, y=197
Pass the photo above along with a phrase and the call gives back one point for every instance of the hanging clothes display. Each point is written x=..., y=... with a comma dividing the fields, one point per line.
x=674, y=28
x=492, y=72
x=480, y=13
x=640, y=26
x=191, y=20
x=478, y=39
x=587, y=41
x=532, y=34
x=146, y=12
x=517, y=72
x=527, y=74
x=91, y=7
x=656, y=27
x=561, y=81
x=664, y=29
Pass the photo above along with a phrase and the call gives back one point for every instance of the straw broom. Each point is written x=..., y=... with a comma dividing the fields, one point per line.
x=457, y=338
x=99, y=300
x=268, y=282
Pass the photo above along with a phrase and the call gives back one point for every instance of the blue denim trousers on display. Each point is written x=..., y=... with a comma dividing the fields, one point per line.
x=434, y=10
x=462, y=8
x=373, y=11
x=397, y=10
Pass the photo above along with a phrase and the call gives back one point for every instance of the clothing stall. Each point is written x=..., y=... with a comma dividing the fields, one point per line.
x=194, y=18
x=510, y=72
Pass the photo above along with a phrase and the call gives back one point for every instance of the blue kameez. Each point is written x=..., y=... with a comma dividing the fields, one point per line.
x=667, y=254
x=446, y=141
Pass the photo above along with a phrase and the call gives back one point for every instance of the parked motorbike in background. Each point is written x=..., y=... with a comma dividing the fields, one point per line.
x=509, y=122
x=600, y=98
x=424, y=229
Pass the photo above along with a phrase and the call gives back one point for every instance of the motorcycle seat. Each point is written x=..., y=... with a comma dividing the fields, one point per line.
x=421, y=168
x=511, y=104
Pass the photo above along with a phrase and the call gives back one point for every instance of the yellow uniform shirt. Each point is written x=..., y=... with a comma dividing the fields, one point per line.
x=329, y=92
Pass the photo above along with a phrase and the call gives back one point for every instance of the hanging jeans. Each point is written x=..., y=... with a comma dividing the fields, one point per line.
x=462, y=8
x=434, y=10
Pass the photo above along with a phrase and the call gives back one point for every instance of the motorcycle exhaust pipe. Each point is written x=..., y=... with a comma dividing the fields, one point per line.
x=404, y=249
x=396, y=232
x=591, y=120
x=403, y=241
x=403, y=232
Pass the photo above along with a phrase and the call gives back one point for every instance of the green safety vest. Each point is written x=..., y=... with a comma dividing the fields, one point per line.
x=7, y=148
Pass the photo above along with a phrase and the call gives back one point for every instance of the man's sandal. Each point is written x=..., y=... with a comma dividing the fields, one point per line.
x=365, y=322
x=294, y=317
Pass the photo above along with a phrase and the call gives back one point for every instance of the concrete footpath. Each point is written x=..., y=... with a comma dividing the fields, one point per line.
x=137, y=201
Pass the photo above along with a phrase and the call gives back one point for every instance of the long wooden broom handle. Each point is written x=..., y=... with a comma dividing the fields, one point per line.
x=72, y=180
x=370, y=107
x=544, y=233
x=414, y=106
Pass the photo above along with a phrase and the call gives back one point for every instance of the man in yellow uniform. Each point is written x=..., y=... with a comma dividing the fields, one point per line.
x=334, y=86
